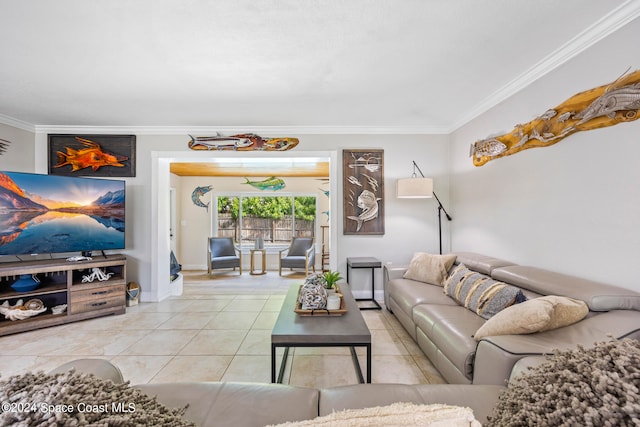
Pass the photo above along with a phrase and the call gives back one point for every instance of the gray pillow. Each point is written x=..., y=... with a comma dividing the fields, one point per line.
x=480, y=293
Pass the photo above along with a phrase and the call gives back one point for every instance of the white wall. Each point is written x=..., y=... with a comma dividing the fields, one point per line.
x=572, y=207
x=20, y=154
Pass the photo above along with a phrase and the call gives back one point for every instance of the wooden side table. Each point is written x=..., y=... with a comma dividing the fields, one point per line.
x=366, y=262
x=264, y=261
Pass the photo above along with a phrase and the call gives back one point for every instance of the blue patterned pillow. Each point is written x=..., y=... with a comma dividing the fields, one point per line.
x=480, y=293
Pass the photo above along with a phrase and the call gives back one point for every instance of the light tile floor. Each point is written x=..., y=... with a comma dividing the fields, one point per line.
x=219, y=329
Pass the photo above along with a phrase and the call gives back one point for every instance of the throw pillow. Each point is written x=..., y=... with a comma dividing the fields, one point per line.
x=75, y=399
x=584, y=387
x=536, y=315
x=480, y=293
x=566, y=311
x=429, y=268
x=396, y=414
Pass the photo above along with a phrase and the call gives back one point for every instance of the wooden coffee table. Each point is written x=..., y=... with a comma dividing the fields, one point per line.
x=294, y=330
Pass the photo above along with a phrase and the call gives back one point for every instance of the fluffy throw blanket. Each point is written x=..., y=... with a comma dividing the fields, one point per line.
x=599, y=386
x=73, y=399
x=395, y=415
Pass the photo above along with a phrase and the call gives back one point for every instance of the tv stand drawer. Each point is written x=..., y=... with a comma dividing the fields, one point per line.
x=103, y=292
x=96, y=304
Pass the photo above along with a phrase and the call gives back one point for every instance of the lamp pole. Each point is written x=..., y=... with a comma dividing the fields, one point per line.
x=440, y=208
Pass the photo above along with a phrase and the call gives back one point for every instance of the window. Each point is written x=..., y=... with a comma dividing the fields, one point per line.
x=276, y=219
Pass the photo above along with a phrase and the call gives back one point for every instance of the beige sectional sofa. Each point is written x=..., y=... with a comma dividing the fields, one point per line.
x=565, y=388
x=234, y=404
x=445, y=330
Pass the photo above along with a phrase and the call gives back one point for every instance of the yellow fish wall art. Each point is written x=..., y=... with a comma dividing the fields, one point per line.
x=600, y=107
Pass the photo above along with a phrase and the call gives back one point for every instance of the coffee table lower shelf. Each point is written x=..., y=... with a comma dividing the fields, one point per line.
x=285, y=356
x=294, y=330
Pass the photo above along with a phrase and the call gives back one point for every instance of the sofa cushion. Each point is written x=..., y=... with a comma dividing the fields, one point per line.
x=450, y=328
x=598, y=296
x=536, y=315
x=481, y=263
x=479, y=293
x=429, y=268
x=232, y=404
x=409, y=293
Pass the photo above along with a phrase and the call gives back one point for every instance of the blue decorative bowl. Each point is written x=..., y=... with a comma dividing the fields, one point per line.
x=25, y=283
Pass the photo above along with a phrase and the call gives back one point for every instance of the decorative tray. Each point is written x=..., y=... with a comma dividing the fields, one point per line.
x=339, y=312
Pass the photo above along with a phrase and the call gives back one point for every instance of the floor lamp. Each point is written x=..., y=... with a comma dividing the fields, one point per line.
x=421, y=188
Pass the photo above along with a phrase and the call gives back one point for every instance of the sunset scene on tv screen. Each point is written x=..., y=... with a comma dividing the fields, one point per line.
x=54, y=214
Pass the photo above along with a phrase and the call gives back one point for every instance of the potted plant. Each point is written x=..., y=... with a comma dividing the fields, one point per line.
x=331, y=278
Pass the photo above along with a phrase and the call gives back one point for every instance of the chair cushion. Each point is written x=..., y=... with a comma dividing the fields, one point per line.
x=293, y=261
x=225, y=262
x=222, y=246
x=299, y=246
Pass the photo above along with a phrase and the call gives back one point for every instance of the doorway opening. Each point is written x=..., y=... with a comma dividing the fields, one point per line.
x=161, y=203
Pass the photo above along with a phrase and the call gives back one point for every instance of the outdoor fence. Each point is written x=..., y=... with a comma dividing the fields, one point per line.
x=280, y=230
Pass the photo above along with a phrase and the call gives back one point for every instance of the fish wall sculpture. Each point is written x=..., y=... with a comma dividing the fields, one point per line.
x=197, y=193
x=90, y=157
x=368, y=205
x=603, y=106
x=241, y=142
x=363, y=192
x=273, y=183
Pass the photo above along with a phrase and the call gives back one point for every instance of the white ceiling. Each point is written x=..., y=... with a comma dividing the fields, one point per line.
x=425, y=66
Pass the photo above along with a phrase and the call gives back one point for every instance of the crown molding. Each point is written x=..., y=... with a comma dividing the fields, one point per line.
x=607, y=25
x=263, y=130
x=10, y=121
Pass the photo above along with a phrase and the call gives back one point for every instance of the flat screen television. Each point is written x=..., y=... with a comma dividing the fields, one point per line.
x=46, y=214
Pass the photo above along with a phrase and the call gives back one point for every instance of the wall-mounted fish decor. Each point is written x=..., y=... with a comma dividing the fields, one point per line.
x=363, y=192
x=603, y=106
x=4, y=144
x=198, y=193
x=90, y=157
x=241, y=142
x=272, y=183
x=368, y=205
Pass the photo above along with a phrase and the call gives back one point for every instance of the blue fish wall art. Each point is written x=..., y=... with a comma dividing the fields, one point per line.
x=198, y=193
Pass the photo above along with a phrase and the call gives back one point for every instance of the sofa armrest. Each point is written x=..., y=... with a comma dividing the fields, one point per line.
x=389, y=272
x=524, y=365
x=393, y=271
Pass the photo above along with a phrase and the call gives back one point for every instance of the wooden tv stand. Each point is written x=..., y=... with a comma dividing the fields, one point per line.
x=61, y=283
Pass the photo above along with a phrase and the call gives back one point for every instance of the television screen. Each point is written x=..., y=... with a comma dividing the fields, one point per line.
x=41, y=214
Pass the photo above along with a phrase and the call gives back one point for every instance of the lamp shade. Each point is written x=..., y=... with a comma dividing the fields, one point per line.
x=414, y=188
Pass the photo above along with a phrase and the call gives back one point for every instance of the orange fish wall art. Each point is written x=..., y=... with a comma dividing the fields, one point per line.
x=603, y=106
x=92, y=155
